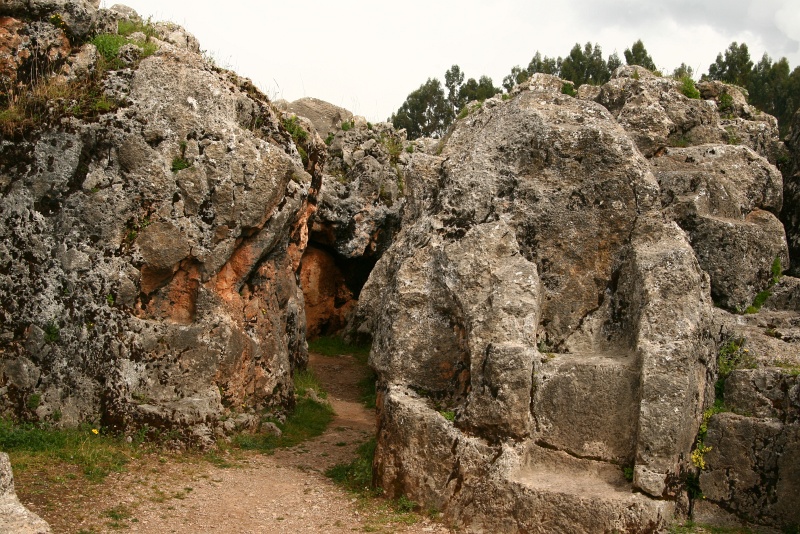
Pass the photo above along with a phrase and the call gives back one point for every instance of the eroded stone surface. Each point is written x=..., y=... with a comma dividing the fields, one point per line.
x=538, y=261
x=140, y=291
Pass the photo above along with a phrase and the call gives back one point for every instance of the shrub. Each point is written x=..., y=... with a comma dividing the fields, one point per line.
x=568, y=89
x=347, y=126
x=179, y=163
x=688, y=88
x=52, y=334
x=292, y=125
x=725, y=102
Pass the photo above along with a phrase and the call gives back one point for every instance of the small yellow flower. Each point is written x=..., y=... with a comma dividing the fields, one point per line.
x=95, y=431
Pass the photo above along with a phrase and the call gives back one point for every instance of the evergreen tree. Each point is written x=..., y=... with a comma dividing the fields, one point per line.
x=637, y=55
x=684, y=71
x=734, y=68
x=614, y=62
x=425, y=113
x=428, y=111
x=585, y=65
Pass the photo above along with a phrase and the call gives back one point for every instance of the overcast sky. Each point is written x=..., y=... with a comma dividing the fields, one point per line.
x=367, y=56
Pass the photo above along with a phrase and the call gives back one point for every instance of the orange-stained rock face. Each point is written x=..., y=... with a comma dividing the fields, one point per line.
x=46, y=46
x=327, y=298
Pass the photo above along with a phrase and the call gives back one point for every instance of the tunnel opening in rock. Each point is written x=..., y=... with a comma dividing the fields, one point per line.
x=331, y=286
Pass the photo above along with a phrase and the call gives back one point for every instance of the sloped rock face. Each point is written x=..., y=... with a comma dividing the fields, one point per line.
x=544, y=317
x=149, y=257
x=727, y=198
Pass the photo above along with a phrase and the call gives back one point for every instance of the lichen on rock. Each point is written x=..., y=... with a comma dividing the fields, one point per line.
x=149, y=254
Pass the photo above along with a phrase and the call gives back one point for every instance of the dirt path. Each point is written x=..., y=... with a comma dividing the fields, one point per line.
x=286, y=492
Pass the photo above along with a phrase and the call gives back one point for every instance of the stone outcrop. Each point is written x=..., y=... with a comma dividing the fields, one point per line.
x=727, y=198
x=540, y=285
x=522, y=300
x=543, y=326
x=149, y=254
x=326, y=118
x=358, y=213
x=14, y=517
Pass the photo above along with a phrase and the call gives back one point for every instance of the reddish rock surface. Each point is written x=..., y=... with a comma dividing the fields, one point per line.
x=327, y=297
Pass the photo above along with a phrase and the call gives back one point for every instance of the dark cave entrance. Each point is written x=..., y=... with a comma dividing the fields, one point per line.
x=331, y=286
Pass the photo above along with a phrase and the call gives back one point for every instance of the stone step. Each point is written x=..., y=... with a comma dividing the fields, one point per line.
x=588, y=404
x=561, y=493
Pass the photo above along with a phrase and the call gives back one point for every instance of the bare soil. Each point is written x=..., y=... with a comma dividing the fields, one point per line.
x=248, y=493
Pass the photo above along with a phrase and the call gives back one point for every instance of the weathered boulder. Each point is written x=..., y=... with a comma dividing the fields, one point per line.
x=362, y=196
x=727, y=199
x=657, y=114
x=149, y=254
x=358, y=213
x=326, y=118
x=753, y=470
x=77, y=17
x=14, y=517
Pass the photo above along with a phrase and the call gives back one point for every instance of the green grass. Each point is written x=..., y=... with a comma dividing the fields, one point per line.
x=308, y=420
x=357, y=475
x=336, y=346
x=96, y=454
x=569, y=89
x=127, y=27
x=305, y=380
x=108, y=45
x=367, y=394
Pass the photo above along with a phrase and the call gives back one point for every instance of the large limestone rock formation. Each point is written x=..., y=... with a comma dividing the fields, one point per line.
x=543, y=324
x=14, y=517
x=148, y=254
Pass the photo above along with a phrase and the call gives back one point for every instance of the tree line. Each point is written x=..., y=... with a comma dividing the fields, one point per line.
x=429, y=110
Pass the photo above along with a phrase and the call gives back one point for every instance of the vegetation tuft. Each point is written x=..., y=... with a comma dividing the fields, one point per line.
x=777, y=271
x=356, y=475
x=335, y=346
x=49, y=98
x=688, y=88
x=94, y=452
x=569, y=89
x=308, y=420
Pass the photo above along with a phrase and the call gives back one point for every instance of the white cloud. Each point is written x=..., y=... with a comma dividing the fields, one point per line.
x=368, y=56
